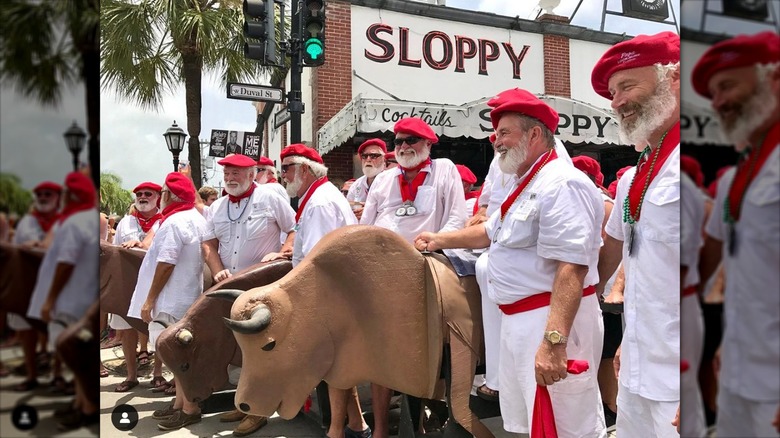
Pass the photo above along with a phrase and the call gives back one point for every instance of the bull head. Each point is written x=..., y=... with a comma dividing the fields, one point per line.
x=259, y=321
x=184, y=336
x=225, y=294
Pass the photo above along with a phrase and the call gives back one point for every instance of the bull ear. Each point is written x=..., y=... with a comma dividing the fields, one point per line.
x=227, y=294
x=259, y=321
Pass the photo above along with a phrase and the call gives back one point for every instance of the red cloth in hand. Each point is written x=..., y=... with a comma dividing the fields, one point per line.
x=543, y=420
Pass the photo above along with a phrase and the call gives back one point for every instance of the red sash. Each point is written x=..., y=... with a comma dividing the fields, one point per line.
x=246, y=194
x=746, y=173
x=45, y=220
x=643, y=177
x=175, y=208
x=534, y=170
x=146, y=224
x=315, y=185
x=476, y=204
x=409, y=189
x=536, y=301
x=543, y=422
x=690, y=290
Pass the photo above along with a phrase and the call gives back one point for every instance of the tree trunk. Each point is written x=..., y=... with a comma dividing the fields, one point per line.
x=192, y=71
x=91, y=74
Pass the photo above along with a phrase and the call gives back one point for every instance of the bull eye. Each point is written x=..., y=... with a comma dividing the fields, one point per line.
x=269, y=346
x=185, y=366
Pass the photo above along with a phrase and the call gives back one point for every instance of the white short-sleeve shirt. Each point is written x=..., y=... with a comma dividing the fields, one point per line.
x=750, y=347
x=326, y=210
x=249, y=229
x=650, y=352
x=28, y=229
x=177, y=241
x=358, y=191
x=556, y=218
x=75, y=242
x=440, y=202
x=691, y=224
x=129, y=229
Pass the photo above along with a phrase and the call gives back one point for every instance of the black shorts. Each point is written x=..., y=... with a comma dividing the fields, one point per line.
x=613, y=334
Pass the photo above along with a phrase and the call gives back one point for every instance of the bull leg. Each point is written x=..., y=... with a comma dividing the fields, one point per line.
x=463, y=362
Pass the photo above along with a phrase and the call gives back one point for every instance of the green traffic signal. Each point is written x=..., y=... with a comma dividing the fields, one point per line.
x=314, y=48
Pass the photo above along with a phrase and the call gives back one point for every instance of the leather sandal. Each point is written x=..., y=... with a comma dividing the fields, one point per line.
x=125, y=386
x=487, y=394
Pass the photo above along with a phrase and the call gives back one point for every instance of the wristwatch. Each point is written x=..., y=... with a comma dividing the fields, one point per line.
x=555, y=337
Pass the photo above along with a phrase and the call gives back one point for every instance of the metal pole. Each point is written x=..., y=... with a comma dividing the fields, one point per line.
x=175, y=162
x=294, y=103
x=75, y=161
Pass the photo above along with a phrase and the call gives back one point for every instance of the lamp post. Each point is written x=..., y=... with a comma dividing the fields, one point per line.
x=174, y=139
x=74, y=139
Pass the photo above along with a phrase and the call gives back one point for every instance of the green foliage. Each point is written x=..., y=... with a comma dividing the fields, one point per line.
x=13, y=197
x=113, y=198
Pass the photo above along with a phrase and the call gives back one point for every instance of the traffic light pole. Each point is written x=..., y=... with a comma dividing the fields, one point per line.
x=294, y=101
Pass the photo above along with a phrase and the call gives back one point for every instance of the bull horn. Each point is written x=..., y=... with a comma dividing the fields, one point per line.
x=259, y=321
x=227, y=294
x=184, y=336
x=162, y=323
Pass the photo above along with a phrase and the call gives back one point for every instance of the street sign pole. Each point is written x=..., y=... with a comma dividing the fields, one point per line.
x=294, y=102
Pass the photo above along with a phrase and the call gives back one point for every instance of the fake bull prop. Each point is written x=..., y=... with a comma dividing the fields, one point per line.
x=198, y=348
x=363, y=306
x=18, y=273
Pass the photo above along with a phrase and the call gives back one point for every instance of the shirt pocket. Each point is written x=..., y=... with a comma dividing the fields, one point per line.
x=520, y=230
x=257, y=222
x=765, y=194
x=222, y=230
x=425, y=199
x=660, y=215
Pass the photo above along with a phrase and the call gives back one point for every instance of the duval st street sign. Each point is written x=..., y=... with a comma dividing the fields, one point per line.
x=257, y=93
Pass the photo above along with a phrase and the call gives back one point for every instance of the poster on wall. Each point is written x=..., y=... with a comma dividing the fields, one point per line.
x=224, y=142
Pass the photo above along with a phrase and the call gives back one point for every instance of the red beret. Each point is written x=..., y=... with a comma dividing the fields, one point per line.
x=690, y=166
x=492, y=138
x=417, y=127
x=237, y=160
x=613, y=188
x=521, y=101
x=373, y=142
x=390, y=156
x=466, y=174
x=621, y=171
x=147, y=185
x=48, y=185
x=301, y=150
x=740, y=51
x=181, y=186
x=640, y=51
x=80, y=185
x=587, y=164
x=264, y=161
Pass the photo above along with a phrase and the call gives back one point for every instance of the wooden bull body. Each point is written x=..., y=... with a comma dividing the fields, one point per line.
x=363, y=306
x=199, y=347
x=18, y=273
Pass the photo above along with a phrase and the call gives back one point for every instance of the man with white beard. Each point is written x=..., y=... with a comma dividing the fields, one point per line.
x=322, y=209
x=419, y=195
x=32, y=230
x=131, y=232
x=641, y=77
x=266, y=174
x=244, y=229
x=741, y=76
x=372, y=159
x=544, y=241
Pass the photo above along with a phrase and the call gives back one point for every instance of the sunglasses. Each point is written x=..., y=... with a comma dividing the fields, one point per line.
x=144, y=194
x=408, y=140
x=285, y=167
x=44, y=194
x=370, y=156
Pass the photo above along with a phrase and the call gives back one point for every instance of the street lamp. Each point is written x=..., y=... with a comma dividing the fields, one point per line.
x=74, y=139
x=174, y=138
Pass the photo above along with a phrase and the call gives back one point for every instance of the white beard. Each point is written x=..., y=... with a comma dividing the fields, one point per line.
x=753, y=113
x=262, y=178
x=371, y=171
x=46, y=207
x=410, y=158
x=651, y=114
x=293, y=187
x=144, y=208
x=509, y=161
x=240, y=190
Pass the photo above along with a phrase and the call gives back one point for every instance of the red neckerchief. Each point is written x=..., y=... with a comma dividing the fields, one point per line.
x=146, y=224
x=45, y=220
x=272, y=180
x=552, y=155
x=175, y=208
x=476, y=204
x=746, y=173
x=409, y=189
x=473, y=194
x=306, y=197
x=246, y=194
x=670, y=142
x=72, y=208
x=543, y=420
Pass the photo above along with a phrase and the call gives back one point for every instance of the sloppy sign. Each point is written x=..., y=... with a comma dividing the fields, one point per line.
x=699, y=126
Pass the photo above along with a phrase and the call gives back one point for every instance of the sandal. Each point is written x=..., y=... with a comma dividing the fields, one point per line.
x=171, y=390
x=27, y=385
x=103, y=373
x=143, y=358
x=125, y=386
x=159, y=384
x=487, y=394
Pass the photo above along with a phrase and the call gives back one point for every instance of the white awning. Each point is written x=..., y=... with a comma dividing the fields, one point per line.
x=699, y=125
x=579, y=122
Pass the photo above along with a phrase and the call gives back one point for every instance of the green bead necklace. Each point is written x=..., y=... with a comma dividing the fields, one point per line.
x=627, y=216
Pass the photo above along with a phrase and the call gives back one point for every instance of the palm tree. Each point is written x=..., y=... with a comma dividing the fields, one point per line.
x=13, y=197
x=48, y=46
x=150, y=46
x=113, y=198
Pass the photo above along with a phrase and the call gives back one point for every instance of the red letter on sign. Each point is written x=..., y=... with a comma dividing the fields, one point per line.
x=516, y=59
x=488, y=51
x=462, y=53
x=446, y=58
x=372, y=34
x=404, y=42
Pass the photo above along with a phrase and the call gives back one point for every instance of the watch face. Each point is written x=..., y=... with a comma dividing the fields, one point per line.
x=555, y=338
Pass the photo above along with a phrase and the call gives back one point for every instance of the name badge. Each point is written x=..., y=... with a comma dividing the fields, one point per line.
x=524, y=209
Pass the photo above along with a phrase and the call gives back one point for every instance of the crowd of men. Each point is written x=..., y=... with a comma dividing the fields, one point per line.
x=554, y=245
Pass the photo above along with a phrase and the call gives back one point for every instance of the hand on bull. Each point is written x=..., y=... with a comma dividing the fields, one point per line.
x=222, y=275
x=131, y=244
x=146, y=311
x=271, y=256
x=550, y=363
x=425, y=241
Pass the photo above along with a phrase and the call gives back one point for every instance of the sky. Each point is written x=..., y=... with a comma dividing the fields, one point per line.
x=132, y=145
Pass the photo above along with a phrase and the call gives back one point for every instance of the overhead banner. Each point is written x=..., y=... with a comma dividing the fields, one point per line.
x=225, y=142
x=699, y=126
x=579, y=122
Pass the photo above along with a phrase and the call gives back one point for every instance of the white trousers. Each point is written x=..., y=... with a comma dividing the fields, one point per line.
x=155, y=328
x=491, y=324
x=576, y=399
x=692, y=421
x=738, y=416
x=17, y=322
x=58, y=323
x=118, y=323
x=641, y=417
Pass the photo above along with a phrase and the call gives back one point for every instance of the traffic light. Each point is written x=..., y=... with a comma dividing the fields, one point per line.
x=260, y=26
x=313, y=22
